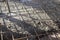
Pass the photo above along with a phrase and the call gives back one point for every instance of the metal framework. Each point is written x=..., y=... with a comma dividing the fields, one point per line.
x=29, y=21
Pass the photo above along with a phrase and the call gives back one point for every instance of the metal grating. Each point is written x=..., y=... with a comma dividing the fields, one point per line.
x=29, y=20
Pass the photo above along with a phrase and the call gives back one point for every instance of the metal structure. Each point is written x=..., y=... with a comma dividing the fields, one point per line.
x=29, y=20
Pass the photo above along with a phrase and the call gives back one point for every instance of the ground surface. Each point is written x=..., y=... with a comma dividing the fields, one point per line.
x=31, y=18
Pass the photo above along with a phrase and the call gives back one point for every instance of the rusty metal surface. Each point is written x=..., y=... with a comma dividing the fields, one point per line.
x=34, y=20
